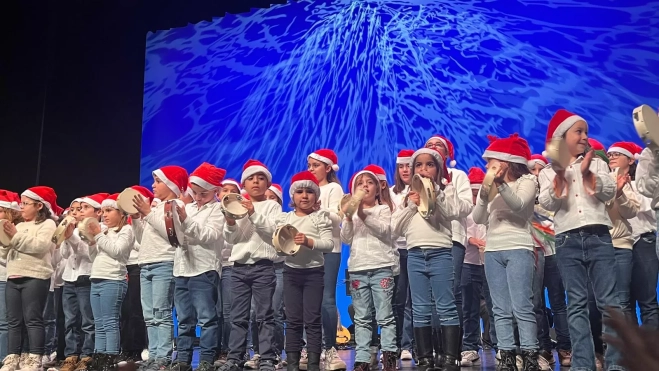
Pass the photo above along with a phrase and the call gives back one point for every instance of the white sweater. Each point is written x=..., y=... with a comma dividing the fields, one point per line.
x=151, y=234
x=473, y=255
x=370, y=240
x=113, y=251
x=465, y=204
x=398, y=204
x=30, y=251
x=621, y=210
x=203, y=241
x=251, y=236
x=317, y=226
x=508, y=216
x=330, y=199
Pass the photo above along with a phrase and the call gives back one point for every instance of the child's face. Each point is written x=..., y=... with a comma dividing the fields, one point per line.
x=424, y=165
x=202, y=196
x=318, y=169
x=270, y=195
x=370, y=186
x=492, y=162
x=535, y=170
x=404, y=172
x=438, y=145
x=576, y=138
x=226, y=189
x=620, y=161
x=30, y=208
x=161, y=190
x=256, y=185
x=111, y=217
x=304, y=199
x=88, y=211
x=4, y=213
x=74, y=209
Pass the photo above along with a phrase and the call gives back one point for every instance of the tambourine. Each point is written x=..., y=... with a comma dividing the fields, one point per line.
x=232, y=206
x=83, y=229
x=427, y=197
x=353, y=202
x=283, y=240
x=58, y=236
x=173, y=224
x=646, y=122
x=5, y=240
x=125, y=201
x=558, y=153
x=488, y=187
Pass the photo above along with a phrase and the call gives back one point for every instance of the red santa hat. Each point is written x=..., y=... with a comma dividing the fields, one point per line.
x=476, y=177
x=560, y=123
x=232, y=182
x=512, y=149
x=326, y=156
x=537, y=159
x=96, y=200
x=353, y=185
x=244, y=194
x=144, y=192
x=445, y=176
x=207, y=176
x=276, y=189
x=596, y=145
x=111, y=201
x=449, y=148
x=629, y=149
x=378, y=171
x=43, y=194
x=175, y=177
x=404, y=156
x=304, y=179
x=252, y=167
x=10, y=200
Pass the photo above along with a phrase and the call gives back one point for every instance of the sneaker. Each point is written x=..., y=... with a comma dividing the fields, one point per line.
x=543, y=364
x=266, y=365
x=156, y=365
x=221, y=359
x=48, y=360
x=229, y=365
x=304, y=361
x=11, y=362
x=279, y=364
x=497, y=356
x=179, y=366
x=69, y=363
x=565, y=357
x=548, y=356
x=83, y=363
x=322, y=355
x=520, y=362
x=205, y=366
x=145, y=355
x=332, y=361
x=32, y=363
x=253, y=363
x=469, y=358
x=361, y=366
x=405, y=355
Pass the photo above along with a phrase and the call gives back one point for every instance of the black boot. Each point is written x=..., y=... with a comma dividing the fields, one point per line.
x=530, y=358
x=508, y=361
x=452, y=342
x=313, y=360
x=437, y=346
x=109, y=363
x=292, y=361
x=97, y=363
x=423, y=341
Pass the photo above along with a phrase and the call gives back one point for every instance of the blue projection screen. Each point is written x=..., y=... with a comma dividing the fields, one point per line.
x=368, y=78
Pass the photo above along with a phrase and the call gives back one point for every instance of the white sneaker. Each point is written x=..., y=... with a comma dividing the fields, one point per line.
x=32, y=363
x=405, y=355
x=304, y=361
x=520, y=362
x=11, y=362
x=497, y=356
x=332, y=361
x=544, y=365
x=469, y=358
x=145, y=355
x=322, y=355
x=253, y=364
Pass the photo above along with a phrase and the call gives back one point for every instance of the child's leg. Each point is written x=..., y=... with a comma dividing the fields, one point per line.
x=362, y=303
x=241, y=298
x=311, y=283
x=163, y=299
x=263, y=289
x=382, y=291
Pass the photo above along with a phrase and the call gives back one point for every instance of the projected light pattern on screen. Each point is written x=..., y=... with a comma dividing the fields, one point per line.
x=368, y=78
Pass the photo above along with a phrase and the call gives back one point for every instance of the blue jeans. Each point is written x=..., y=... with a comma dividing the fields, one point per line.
x=472, y=290
x=3, y=320
x=510, y=276
x=224, y=309
x=624, y=258
x=78, y=315
x=369, y=289
x=195, y=299
x=458, y=252
x=431, y=278
x=106, y=299
x=49, y=324
x=585, y=254
x=644, y=280
x=157, y=285
x=557, y=302
x=330, y=315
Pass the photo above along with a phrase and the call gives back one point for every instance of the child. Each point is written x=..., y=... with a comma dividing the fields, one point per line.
x=108, y=276
x=429, y=261
x=10, y=210
x=156, y=260
x=253, y=273
x=584, y=249
x=509, y=257
x=29, y=270
x=196, y=266
x=274, y=193
x=371, y=267
x=304, y=273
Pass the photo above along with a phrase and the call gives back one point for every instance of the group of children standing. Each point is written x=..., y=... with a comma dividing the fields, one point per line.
x=566, y=229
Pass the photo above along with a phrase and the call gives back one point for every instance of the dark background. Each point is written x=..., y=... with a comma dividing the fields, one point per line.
x=71, y=87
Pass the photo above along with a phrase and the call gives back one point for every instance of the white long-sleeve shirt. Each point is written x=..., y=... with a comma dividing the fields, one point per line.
x=203, y=243
x=473, y=255
x=465, y=204
x=151, y=234
x=370, y=240
x=577, y=208
x=509, y=215
x=226, y=248
x=330, y=199
x=647, y=177
x=398, y=200
x=434, y=232
x=317, y=226
x=645, y=220
x=620, y=210
x=251, y=236
x=113, y=251
x=78, y=256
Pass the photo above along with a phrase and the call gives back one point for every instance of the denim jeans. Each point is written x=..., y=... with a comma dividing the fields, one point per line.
x=278, y=308
x=490, y=311
x=542, y=325
x=78, y=317
x=303, y=300
x=195, y=299
x=157, y=286
x=558, y=304
x=510, y=276
x=472, y=290
x=369, y=289
x=133, y=328
x=644, y=280
x=224, y=308
x=329, y=314
x=585, y=254
x=106, y=299
x=624, y=262
x=50, y=324
x=25, y=299
x=3, y=320
x=431, y=279
x=458, y=252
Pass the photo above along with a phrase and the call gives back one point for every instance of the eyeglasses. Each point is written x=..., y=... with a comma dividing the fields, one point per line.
x=23, y=204
x=613, y=154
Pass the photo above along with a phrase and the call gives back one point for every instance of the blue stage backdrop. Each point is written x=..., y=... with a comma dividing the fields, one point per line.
x=368, y=78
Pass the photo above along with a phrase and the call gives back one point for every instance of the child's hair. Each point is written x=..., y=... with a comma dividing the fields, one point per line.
x=122, y=223
x=385, y=195
x=438, y=176
x=399, y=185
x=632, y=170
x=379, y=197
x=279, y=200
x=332, y=178
x=516, y=170
x=291, y=204
x=43, y=214
x=13, y=216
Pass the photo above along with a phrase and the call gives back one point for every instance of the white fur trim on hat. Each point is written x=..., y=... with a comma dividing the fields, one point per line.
x=202, y=183
x=564, y=126
x=531, y=163
x=302, y=184
x=29, y=194
x=381, y=177
x=505, y=157
x=476, y=186
x=325, y=160
x=404, y=160
x=622, y=151
x=427, y=151
x=354, y=183
x=167, y=182
x=229, y=181
x=274, y=190
x=76, y=200
x=109, y=203
x=91, y=202
x=10, y=205
x=254, y=170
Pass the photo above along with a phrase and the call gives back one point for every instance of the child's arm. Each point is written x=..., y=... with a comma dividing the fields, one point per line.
x=138, y=228
x=525, y=195
x=35, y=244
x=628, y=203
x=548, y=198
x=119, y=247
x=605, y=186
x=447, y=203
x=324, y=224
x=379, y=224
x=347, y=231
x=401, y=219
x=264, y=222
x=205, y=233
x=464, y=200
x=647, y=174
x=481, y=213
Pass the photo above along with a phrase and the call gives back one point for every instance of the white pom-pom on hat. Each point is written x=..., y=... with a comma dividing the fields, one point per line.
x=637, y=156
x=544, y=153
x=452, y=163
x=335, y=167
